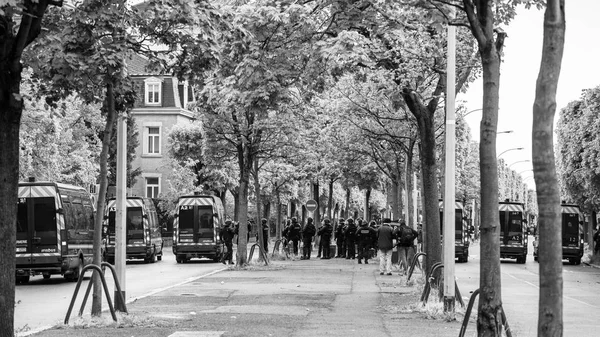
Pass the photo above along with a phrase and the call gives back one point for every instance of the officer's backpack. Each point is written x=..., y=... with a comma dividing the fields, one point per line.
x=407, y=236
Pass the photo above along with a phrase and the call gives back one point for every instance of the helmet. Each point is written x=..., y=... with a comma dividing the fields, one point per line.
x=327, y=221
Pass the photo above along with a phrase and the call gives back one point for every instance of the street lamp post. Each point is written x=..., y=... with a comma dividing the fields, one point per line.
x=513, y=149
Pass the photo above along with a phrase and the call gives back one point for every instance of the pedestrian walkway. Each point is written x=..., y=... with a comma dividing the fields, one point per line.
x=301, y=298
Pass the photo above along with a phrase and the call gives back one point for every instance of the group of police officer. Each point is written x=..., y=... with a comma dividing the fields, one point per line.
x=348, y=234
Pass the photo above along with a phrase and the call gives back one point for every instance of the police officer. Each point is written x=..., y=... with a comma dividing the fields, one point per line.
x=308, y=232
x=349, y=235
x=325, y=232
x=294, y=234
x=364, y=237
x=339, y=238
x=226, y=234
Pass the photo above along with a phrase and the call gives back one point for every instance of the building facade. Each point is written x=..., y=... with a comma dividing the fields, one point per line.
x=162, y=103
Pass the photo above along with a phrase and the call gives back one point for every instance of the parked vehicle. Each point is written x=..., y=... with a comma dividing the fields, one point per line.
x=55, y=230
x=144, y=234
x=461, y=238
x=513, y=233
x=572, y=235
x=198, y=219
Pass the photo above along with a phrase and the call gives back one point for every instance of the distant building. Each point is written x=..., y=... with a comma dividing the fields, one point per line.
x=161, y=103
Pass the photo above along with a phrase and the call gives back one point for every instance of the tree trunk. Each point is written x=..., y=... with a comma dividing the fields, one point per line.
x=317, y=212
x=489, y=321
x=550, y=315
x=11, y=110
x=330, y=199
x=591, y=228
x=101, y=203
x=242, y=258
x=431, y=227
x=258, y=205
x=347, y=212
x=278, y=229
x=236, y=203
x=396, y=210
x=409, y=187
x=367, y=213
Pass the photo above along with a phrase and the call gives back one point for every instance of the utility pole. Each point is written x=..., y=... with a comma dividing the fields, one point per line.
x=121, y=212
x=449, y=192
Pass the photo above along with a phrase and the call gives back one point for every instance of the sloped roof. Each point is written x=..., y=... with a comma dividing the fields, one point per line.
x=137, y=65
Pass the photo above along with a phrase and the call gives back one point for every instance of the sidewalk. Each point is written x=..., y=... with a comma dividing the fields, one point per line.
x=335, y=297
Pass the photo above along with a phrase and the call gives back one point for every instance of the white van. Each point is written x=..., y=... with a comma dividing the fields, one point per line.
x=198, y=219
x=144, y=234
x=55, y=230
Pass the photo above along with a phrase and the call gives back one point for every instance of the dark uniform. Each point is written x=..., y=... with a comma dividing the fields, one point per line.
x=339, y=239
x=349, y=235
x=308, y=232
x=325, y=233
x=265, y=232
x=365, y=236
x=294, y=234
x=226, y=234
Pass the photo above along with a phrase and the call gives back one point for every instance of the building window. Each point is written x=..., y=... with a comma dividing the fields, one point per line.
x=152, y=187
x=153, y=140
x=153, y=91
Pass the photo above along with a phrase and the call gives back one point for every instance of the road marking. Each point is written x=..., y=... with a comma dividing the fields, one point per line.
x=567, y=297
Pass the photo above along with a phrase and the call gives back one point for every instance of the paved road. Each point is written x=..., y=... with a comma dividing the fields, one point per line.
x=42, y=303
x=520, y=294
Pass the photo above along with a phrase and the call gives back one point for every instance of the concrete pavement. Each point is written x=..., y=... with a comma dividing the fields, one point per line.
x=335, y=297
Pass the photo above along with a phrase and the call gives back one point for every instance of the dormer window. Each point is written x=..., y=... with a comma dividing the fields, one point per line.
x=153, y=91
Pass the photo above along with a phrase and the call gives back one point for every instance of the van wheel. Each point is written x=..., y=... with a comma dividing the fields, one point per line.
x=23, y=279
x=178, y=259
x=577, y=261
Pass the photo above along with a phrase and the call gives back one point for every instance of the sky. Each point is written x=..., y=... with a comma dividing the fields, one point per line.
x=518, y=73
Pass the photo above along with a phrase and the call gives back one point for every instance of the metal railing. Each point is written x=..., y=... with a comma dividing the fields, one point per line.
x=261, y=252
x=87, y=293
x=414, y=261
x=465, y=323
x=427, y=288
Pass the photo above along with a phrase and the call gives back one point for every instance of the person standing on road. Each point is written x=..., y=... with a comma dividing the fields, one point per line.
x=406, y=249
x=385, y=244
x=349, y=235
x=308, y=232
x=285, y=233
x=364, y=238
x=339, y=238
x=226, y=234
x=325, y=234
x=294, y=234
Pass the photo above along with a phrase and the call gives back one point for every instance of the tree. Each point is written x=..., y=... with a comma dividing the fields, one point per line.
x=86, y=51
x=20, y=25
x=550, y=317
x=482, y=22
x=253, y=81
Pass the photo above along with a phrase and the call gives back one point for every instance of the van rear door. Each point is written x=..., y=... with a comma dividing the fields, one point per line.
x=36, y=222
x=570, y=230
x=196, y=224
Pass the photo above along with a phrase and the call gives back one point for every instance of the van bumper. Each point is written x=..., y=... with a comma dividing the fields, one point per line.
x=211, y=251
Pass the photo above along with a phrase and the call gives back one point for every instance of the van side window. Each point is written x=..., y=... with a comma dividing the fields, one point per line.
x=68, y=211
x=88, y=211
